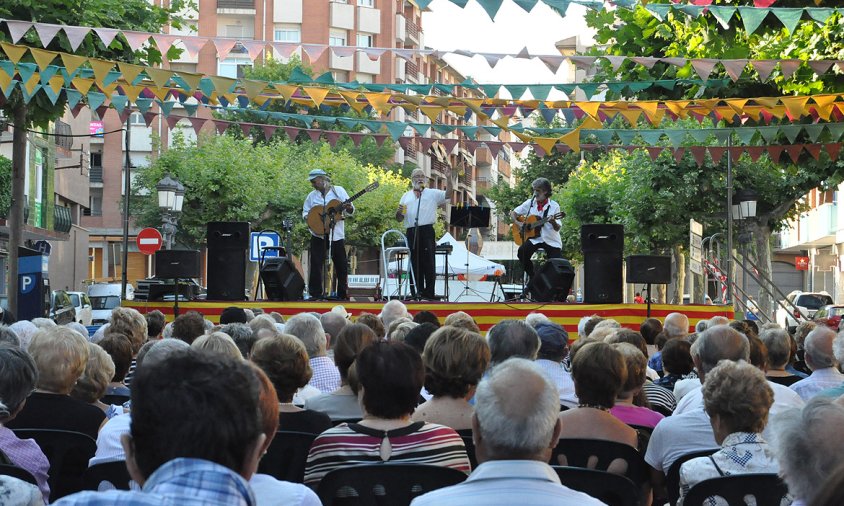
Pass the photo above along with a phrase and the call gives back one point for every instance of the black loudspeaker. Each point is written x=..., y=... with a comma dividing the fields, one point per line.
x=172, y=264
x=602, y=274
x=228, y=235
x=601, y=237
x=553, y=281
x=226, y=274
x=281, y=279
x=649, y=269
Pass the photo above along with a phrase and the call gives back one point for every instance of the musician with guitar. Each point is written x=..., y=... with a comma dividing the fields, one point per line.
x=535, y=226
x=328, y=233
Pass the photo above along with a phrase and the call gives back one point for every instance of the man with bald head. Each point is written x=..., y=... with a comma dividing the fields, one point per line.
x=821, y=360
x=676, y=325
x=515, y=427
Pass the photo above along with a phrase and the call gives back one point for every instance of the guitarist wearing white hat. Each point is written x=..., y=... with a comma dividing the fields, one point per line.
x=535, y=225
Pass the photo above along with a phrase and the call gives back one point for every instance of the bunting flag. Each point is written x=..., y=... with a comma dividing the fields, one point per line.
x=751, y=17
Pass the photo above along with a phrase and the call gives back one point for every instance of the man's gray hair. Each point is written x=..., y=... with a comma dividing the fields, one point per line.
x=25, y=331
x=392, y=310
x=309, y=330
x=8, y=336
x=154, y=352
x=818, y=345
x=838, y=347
x=701, y=326
x=43, y=323
x=332, y=324
x=512, y=338
x=534, y=319
x=720, y=342
x=517, y=408
x=778, y=343
x=18, y=377
x=79, y=328
x=676, y=325
x=808, y=445
x=718, y=320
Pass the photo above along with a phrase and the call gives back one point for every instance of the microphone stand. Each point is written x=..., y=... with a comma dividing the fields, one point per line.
x=521, y=231
x=418, y=293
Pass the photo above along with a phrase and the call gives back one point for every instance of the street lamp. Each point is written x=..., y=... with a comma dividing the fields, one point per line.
x=744, y=208
x=171, y=196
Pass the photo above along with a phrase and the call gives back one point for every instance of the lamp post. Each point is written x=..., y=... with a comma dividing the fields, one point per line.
x=744, y=208
x=171, y=196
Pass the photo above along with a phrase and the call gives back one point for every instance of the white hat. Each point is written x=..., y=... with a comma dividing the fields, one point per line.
x=316, y=173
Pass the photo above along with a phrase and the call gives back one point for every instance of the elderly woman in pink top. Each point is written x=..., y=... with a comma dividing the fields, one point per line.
x=630, y=404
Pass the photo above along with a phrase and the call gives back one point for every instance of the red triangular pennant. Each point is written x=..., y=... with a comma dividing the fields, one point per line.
x=717, y=153
x=221, y=126
x=246, y=128
x=197, y=123
x=356, y=137
x=314, y=134
x=698, y=152
x=775, y=152
x=814, y=150
x=736, y=152
x=654, y=151
x=755, y=152
x=269, y=130
x=833, y=150
x=678, y=154
x=292, y=132
x=794, y=151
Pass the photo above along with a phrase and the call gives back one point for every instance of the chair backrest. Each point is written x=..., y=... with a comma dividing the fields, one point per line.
x=68, y=453
x=612, y=489
x=107, y=476
x=115, y=399
x=644, y=435
x=337, y=422
x=601, y=455
x=387, y=484
x=17, y=472
x=765, y=488
x=672, y=479
x=287, y=455
x=469, y=443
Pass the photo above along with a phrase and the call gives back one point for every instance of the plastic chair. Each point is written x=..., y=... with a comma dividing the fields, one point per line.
x=115, y=399
x=469, y=443
x=672, y=478
x=68, y=453
x=384, y=484
x=765, y=488
x=287, y=455
x=613, y=489
x=17, y=472
x=107, y=476
x=337, y=422
x=644, y=435
x=601, y=455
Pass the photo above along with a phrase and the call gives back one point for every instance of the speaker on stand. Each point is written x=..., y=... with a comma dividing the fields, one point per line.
x=603, y=250
x=552, y=282
x=228, y=247
x=281, y=279
x=648, y=270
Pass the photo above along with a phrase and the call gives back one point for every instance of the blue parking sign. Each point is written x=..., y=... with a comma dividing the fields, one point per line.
x=259, y=241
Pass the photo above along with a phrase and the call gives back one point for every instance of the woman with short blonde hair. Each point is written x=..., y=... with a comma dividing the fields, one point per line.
x=217, y=342
x=462, y=320
x=92, y=385
x=130, y=322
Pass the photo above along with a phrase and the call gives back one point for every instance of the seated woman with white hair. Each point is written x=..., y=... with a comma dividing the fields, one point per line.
x=737, y=399
x=92, y=385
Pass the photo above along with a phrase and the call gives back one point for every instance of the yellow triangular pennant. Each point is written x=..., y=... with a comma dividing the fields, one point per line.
x=43, y=57
x=413, y=99
x=317, y=94
x=82, y=84
x=678, y=107
x=56, y=84
x=72, y=62
x=287, y=90
x=101, y=69
x=523, y=137
x=132, y=92
x=351, y=97
x=252, y=88
x=632, y=116
x=108, y=90
x=728, y=113
x=591, y=123
x=222, y=84
x=777, y=111
x=32, y=83
x=459, y=110
x=5, y=80
x=572, y=140
x=380, y=102
x=546, y=143
x=768, y=102
x=443, y=101
x=431, y=111
x=159, y=92
x=737, y=105
x=261, y=100
x=707, y=104
x=796, y=106
x=590, y=108
x=159, y=76
x=503, y=122
x=15, y=53
x=130, y=72
x=823, y=104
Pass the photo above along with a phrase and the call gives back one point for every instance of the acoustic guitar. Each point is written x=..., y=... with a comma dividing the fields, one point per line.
x=319, y=216
x=531, y=226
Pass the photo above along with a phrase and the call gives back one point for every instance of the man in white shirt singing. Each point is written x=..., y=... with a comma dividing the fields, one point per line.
x=418, y=209
x=332, y=239
x=541, y=207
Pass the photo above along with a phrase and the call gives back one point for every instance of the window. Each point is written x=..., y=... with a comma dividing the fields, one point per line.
x=234, y=31
x=366, y=3
x=364, y=40
x=233, y=67
x=96, y=159
x=364, y=78
x=336, y=39
x=288, y=35
x=137, y=119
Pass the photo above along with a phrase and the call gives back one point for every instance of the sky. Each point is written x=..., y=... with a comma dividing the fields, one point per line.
x=448, y=27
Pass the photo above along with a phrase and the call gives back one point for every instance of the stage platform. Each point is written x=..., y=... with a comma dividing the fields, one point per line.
x=486, y=314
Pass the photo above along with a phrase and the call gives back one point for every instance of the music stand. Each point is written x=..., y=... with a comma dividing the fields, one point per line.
x=469, y=217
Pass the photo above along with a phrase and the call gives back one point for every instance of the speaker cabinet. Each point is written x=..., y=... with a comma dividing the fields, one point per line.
x=602, y=274
x=601, y=237
x=226, y=274
x=228, y=235
x=172, y=264
x=553, y=281
x=649, y=269
x=282, y=282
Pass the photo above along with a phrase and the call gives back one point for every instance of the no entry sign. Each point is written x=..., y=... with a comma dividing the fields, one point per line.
x=149, y=241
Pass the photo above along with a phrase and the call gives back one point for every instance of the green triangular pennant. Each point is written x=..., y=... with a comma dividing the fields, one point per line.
x=443, y=129
x=568, y=89
x=789, y=17
x=206, y=86
x=616, y=87
x=745, y=135
x=491, y=7
x=835, y=131
x=26, y=70
x=675, y=137
x=299, y=77
x=769, y=133
x=659, y=11
x=637, y=87
x=527, y=5
x=113, y=75
x=668, y=84
x=143, y=104
x=722, y=134
x=752, y=18
x=791, y=132
x=539, y=91
x=723, y=14
x=470, y=131
x=492, y=130
x=604, y=136
x=459, y=3
x=690, y=10
x=95, y=99
x=589, y=89
x=28, y=96
x=166, y=107
x=48, y=74
x=421, y=128
x=119, y=102
x=813, y=131
x=73, y=97
x=190, y=109
x=652, y=137
x=820, y=14
x=396, y=128
x=626, y=136
x=700, y=136
x=448, y=89
x=51, y=95
x=516, y=90
x=325, y=78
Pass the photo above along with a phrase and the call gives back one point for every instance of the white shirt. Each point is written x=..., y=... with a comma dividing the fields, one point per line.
x=817, y=381
x=427, y=205
x=677, y=435
x=547, y=234
x=505, y=483
x=270, y=491
x=557, y=374
x=316, y=198
x=109, y=448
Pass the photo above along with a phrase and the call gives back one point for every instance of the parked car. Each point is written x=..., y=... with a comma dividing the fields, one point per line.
x=807, y=304
x=829, y=315
x=84, y=311
x=62, y=310
x=105, y=297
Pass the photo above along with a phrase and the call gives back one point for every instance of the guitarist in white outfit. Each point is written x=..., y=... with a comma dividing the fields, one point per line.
x=334, y=239
x=541, y=207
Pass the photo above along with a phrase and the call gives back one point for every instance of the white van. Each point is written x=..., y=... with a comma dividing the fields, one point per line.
x=105, y=297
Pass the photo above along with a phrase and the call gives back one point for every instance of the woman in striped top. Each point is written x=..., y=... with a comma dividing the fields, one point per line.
x=388, y=377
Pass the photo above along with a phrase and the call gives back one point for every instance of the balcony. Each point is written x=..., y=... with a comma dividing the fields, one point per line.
x=483, y=157
x=367, y=66
x=369, y=20
x=335, y=62
x=287, y=11
x=816, y=228
x=62, y=219
x=401, y=28
x=401, y=66
x=341, y=15
x=235, y=6
x=95, y=174
x=413, y=33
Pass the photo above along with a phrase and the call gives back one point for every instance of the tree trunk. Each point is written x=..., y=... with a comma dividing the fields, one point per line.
x=16, y=209
x=762, y=236
x=679, y=274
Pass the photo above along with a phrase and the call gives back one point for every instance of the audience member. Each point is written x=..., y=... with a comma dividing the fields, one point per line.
x=419, y=335
x=232, y=314
x=512, y=338
x=400, y=332
x=649, y=329
x=92, y=385
x=392, y=310
x=391, y=329
x=599, y=373
x=24, y=329
x=676, y=325
x=659, y=398
x=278, y=317
x=737, y=398
x=263, y=322
x=831, y=492
x=553, y=349
x=242, y=336
x=821, y=361
x=155, y=324
x=534, y=319
x=778, y=343
x=60, y=354
x=463, y=320
x=426, y=316
x=590, y=324
x=79, y=328
x=188, y=326
x=373, y=322
x=326, y=377
x=130, y=323
x=217, y=342
x=799, y=355
x=18, y=376
x=332, y=323
x=677, y=363
x=8, y=336
x=284, y=359
x=808, y=446
x=515, y=428
x=342, y=404
x=43, y=323
x=391, y=376
x=625, y=409
x=455, y=359
x=119, y=349
x=744, y=328
x=190, y=445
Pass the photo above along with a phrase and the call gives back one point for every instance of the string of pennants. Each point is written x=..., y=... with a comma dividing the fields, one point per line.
x=132, y=82
x=223, y=46
x=751, y=17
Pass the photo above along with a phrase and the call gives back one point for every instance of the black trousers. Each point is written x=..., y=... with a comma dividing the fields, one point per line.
x=422, y=246
x=527, y=249
x=319, y=250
